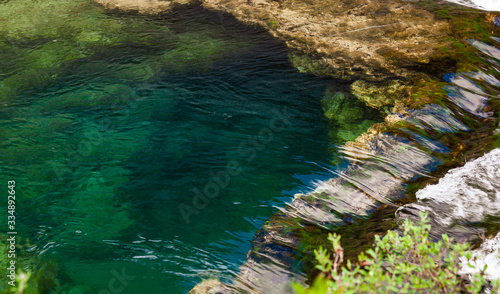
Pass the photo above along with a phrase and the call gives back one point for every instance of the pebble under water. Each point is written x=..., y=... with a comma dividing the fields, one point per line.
x=160, y=160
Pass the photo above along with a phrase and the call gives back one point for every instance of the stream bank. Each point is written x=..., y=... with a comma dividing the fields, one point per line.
x=392, y=56
x=425, y=138
x=109, y=120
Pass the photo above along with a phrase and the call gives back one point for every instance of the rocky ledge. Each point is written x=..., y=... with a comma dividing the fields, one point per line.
x=392, y=54
x=353, y=39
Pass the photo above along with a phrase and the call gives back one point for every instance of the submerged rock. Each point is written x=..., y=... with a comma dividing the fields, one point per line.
x=368, y=39
x=379, y=95
x=280, y=248
x=143, y=6
x=211, y=286
x=348, y=116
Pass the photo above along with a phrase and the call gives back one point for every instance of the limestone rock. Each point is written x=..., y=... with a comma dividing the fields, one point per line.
x=487, y=254
x=355, y=38
x=210, y=286
x=379, y=95
x=462, y=200
x=142, y=6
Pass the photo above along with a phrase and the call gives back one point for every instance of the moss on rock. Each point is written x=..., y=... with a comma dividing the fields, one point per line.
x=211, y=286
x=379, y=95
x=348, y=116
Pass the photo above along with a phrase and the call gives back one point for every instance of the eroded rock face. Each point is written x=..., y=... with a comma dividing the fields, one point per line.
x=462, y=200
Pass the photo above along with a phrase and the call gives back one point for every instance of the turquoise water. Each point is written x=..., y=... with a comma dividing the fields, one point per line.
x=109, y=153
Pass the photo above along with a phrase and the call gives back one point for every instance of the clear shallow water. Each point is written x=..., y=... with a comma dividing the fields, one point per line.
x=106, y=155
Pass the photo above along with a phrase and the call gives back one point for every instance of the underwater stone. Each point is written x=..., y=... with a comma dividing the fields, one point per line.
x=117, y=95
x=376, y=179
x=379, y=95
x=48, y=37
x=142, y=6
x=210, y=286
x=349, y=39
x=349, y=116
x=338, y=108
x=141, y=72
x=198, y=51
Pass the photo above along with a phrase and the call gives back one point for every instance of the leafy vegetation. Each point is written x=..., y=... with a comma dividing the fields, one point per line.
x=407, y=262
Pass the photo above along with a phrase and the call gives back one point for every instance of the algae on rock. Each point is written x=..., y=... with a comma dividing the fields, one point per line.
x=198, y=51
x=380, y=95
x=348, y=116
x=45, y=37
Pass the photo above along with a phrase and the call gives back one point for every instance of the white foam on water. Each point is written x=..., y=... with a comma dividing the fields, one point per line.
x=469, y=193
x=488, y=5
x=487, y=254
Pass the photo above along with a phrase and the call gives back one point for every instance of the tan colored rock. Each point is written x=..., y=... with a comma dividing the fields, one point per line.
x=378, y=95
x=362, y=140
x=142, y=6
x=210, y=286
x=353, y=38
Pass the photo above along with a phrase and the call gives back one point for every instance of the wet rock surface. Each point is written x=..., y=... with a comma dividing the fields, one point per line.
x=355, y=39
x=143, y=6
x=461, y=202
x=277, y=254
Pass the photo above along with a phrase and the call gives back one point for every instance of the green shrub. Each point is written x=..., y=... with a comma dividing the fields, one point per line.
x=399, y=263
